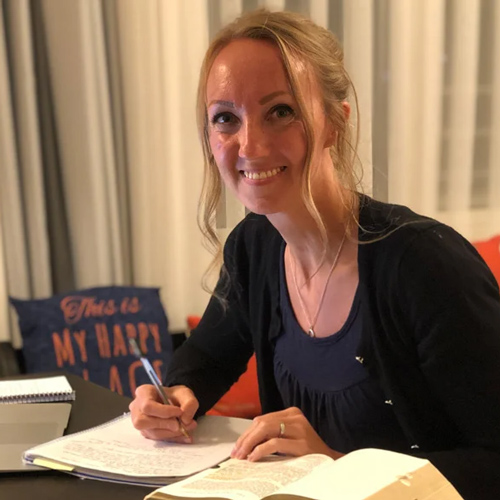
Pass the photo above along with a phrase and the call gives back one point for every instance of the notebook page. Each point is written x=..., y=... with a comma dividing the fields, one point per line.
x=118, y=448
x=34, y=387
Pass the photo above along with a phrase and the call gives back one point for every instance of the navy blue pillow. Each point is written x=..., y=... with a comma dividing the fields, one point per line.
x=86, y=332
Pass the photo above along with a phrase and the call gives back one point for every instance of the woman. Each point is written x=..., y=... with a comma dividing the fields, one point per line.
x=372, y=326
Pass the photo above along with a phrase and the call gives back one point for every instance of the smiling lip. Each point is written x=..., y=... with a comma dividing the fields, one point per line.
x=257, y=176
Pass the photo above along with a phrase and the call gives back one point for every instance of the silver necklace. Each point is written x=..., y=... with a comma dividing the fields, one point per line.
x=311, y=331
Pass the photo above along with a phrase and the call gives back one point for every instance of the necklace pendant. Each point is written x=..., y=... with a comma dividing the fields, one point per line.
x=311, y=333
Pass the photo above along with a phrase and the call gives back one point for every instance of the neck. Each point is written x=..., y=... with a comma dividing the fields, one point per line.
x=302, y=235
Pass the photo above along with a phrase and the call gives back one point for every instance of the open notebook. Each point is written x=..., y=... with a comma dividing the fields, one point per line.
x=117, y=452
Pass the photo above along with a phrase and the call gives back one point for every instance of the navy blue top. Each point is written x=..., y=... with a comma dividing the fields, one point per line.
x=322, y=377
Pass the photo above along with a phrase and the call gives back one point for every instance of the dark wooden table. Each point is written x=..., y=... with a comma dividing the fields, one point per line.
x=94, y=405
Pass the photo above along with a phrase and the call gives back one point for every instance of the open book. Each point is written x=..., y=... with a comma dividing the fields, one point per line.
x=368, y=474
x=116, y=451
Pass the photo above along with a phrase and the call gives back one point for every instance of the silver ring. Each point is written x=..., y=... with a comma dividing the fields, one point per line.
x=282, y=430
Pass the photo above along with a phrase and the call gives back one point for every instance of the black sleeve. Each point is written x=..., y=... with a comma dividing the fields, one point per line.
x=451, y=302
x=218, y=350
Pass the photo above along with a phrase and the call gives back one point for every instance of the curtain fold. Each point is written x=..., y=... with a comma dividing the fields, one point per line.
x=319, y=12
x=82, y=116
x=462, y=103
x=4, y=299
x=358, y=50
x=403, y=111
x=57, y=226
x=99, y=157
x=162, y=47
x=16, y=263
x=430, y=128
x=28, y=149
x=494, y=150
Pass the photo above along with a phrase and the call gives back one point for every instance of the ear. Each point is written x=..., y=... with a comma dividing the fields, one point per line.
x=347, y=110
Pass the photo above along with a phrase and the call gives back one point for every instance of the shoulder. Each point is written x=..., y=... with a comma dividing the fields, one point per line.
x=253, y=239
x=402, y=243
x=397, y=229
x=378, y=220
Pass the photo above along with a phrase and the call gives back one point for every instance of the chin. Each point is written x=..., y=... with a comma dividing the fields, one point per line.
x=263, y=208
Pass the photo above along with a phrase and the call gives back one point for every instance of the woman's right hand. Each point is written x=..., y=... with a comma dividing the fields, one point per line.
x=156, y=420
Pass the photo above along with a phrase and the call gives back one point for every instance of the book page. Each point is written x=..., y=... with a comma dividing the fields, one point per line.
x=243, y=480
x=34, y=387
x=358, y=475
x=118, y=448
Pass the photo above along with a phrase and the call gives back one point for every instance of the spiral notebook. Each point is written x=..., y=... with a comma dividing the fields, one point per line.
x=36, y=390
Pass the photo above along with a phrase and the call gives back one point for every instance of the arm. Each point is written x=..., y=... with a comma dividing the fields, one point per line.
x=217, y=352
x=450, y=301
x=203, y=368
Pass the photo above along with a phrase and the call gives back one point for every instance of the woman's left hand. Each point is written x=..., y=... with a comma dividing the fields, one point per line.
x=287, y=432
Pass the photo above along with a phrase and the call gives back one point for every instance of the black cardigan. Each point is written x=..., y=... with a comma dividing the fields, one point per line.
x=431, y=335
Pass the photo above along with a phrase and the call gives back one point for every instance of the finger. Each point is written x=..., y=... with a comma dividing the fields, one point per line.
x=273, y=420
x=256, y=433
x=162, y=428
x=159, y=435
x=168, y=434
x=189, y=427
x=144, y=422
x=184, y=398
x=152, y=408
x=149, y=402
x=259, y=423
x=291, y=447
x=153, y=415
x=262, y=430
x=147, y=391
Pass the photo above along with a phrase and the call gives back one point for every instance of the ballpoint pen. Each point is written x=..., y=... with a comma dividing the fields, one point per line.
x=154, y=379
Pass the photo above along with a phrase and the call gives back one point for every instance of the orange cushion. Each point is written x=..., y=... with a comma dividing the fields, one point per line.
x=490, y=252
x=242, y=399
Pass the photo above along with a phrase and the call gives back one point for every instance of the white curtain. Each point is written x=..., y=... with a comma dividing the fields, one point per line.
x=162, y=46
x=444, y=111
x=358, y=52
x=121, y=103
x=4, y=311
x=24, y=267
x=131, y=166
x=82, y=113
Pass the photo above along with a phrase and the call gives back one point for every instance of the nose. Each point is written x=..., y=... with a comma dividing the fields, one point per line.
x=254, y=141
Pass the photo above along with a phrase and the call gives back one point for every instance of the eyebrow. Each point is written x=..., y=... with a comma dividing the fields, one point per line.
x=271, y=96
x=262, y=101
x=224, y=103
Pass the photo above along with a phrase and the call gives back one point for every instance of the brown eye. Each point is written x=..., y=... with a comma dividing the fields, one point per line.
x=282, y=111
x=223, y=118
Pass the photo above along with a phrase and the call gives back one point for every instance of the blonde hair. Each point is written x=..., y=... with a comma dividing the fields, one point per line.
x=299, y=39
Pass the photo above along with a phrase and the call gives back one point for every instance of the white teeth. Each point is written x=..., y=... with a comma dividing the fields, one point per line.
x=263, y=175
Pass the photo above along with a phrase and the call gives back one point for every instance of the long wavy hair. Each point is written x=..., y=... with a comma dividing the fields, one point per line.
x=298, y=39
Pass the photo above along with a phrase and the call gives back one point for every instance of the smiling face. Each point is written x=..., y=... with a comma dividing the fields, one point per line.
x=254, y=126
